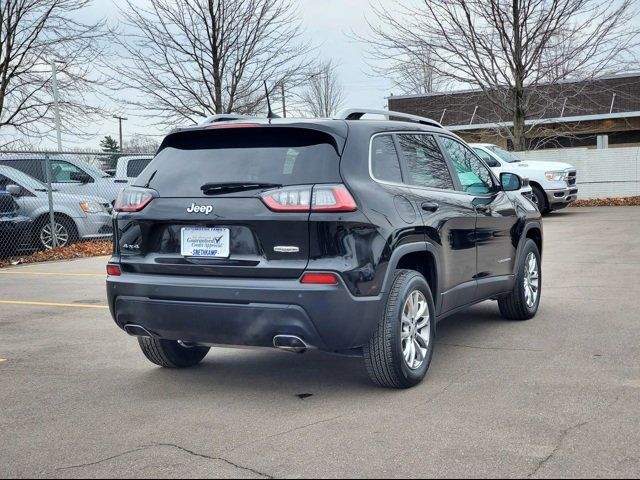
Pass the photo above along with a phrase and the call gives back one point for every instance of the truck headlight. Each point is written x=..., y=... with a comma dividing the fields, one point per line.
x=556, y=176
x=91, y=207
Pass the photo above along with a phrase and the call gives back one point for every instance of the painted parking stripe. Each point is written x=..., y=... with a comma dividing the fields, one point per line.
x=51, y=304
x=3, y=360
x=16, y=272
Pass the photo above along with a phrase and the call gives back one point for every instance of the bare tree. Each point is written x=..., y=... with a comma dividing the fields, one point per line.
x=138, y=143
x=323, y=94
x=34, y=33
x=508, y=48
x=186, y=59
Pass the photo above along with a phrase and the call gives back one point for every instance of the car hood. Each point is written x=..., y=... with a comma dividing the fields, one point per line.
x=538, y=165
x=71, y=197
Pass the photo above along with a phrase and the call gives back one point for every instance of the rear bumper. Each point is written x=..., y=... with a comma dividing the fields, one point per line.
x=561, y=198
x=243, y=312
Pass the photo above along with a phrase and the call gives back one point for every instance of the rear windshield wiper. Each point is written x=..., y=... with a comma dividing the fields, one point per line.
x=227, y=187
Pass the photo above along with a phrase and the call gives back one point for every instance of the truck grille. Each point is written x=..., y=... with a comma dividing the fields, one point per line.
x=571, y=178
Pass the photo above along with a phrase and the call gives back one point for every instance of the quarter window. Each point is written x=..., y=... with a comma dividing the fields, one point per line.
x=426, y=166
x=385, y=163
x=473, y=175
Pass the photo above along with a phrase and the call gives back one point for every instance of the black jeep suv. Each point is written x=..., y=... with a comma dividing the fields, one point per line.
x=348, y=235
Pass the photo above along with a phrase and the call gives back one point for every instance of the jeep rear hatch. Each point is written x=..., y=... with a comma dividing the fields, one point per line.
x=229, y=202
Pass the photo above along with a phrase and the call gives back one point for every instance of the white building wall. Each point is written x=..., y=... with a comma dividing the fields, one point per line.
x=612, y=172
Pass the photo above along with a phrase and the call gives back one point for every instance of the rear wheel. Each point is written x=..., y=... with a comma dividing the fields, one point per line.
x=170, y=354
x=400, y=350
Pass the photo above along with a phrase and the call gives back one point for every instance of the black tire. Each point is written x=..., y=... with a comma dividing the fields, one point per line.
x=383, y=355
x=514, y=305
x=68, y=225
x=170, y=354
x=540, y=199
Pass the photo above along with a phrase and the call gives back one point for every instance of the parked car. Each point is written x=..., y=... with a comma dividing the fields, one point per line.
x=77, y=217
x=553, y=183
x=128, y=168
x=14, y=228
x=348, y=235
x=68, y=174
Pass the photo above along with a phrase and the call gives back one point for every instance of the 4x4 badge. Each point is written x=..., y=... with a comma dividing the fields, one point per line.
x=206, y=209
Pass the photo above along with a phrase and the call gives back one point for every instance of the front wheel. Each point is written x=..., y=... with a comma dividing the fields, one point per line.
x=400, y=350
x=171, y=354
x=524, y=300
x=540, y=199
x=65, y=231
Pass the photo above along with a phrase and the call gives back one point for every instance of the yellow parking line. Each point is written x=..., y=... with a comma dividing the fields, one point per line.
x=51, y=304
x=3, y=360
x=15, y=272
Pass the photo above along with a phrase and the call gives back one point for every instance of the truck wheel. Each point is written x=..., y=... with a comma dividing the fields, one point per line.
x=523, y=301
x=400, y=350
x=540, y=199
x=170, y=354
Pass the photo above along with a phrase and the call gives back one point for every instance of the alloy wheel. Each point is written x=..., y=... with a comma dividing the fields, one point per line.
x=61, y=232
x=531, y=280
x=416, y=330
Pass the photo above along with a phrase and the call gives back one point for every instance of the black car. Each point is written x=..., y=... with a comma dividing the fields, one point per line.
x=14, y=228
x=348, y=235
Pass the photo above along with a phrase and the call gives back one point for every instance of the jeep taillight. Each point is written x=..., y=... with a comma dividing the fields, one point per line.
x=319, y=198
x=133, y=199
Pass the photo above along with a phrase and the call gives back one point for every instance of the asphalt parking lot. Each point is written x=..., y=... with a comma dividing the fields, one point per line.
x=556, y=396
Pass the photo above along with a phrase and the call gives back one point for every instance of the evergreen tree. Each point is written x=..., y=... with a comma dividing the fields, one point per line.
x=109, y=144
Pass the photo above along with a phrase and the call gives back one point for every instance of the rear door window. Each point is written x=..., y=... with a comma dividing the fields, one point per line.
x=385, y=163
x=32, y=167
x=273, y=155
x=425, y=163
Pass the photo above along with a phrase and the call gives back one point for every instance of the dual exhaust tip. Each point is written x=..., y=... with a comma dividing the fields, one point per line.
x=289, y=343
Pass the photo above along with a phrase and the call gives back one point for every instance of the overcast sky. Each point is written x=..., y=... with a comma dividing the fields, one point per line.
x=327, y=24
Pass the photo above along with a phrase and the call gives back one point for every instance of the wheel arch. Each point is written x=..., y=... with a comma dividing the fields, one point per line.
x=421, y=257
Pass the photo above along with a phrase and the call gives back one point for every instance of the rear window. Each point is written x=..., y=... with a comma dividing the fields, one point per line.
x=283, y=156
x=136, y=166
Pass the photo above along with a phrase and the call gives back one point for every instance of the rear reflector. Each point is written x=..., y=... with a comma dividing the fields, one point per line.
x=319, y=278
x=114, y=270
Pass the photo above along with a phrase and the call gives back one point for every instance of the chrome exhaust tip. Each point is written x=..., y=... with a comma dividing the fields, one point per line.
x=290, y=343
x=137, y=331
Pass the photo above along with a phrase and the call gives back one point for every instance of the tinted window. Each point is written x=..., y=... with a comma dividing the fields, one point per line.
x=32, y=168
x=473, y=175
x=283, y=156
x=63, y=172
x=385, y=164
x=426, y=166
x=136, y=166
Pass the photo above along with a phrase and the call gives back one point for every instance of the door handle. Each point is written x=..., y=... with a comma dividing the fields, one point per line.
x=430, y=206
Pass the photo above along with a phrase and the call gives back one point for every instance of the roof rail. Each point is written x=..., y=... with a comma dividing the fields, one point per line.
x=225, y=117
x=358, y=113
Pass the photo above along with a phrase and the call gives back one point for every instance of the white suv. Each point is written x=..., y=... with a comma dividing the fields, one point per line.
x=553, y=183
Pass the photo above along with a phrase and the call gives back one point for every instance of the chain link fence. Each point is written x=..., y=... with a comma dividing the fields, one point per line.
x=55, y=199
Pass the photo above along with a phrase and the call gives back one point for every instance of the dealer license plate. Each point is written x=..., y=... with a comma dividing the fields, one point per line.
x=205, y=242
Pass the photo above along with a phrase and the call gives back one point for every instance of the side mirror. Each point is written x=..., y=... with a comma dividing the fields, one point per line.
x=14, y=190
x=81, y=177
x=510, y=182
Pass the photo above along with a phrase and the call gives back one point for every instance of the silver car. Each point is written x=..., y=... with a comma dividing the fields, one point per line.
x=77, y=217
x=68, y=174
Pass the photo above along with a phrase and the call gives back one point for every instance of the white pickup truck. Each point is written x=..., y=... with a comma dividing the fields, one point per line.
x=553, y=183
x=128, y=168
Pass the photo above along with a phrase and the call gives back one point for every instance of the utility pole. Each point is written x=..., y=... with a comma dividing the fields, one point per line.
x=120, y=119
x=56, y=102
x=284, y=102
